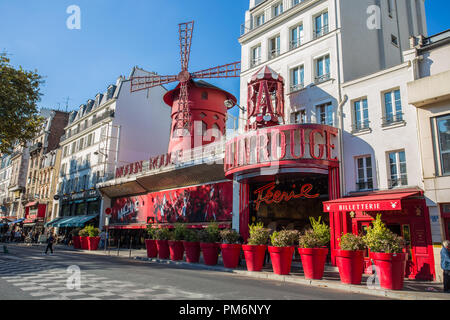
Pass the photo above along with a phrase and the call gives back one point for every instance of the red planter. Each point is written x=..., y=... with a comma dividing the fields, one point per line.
x=92, y=243
x=281, y=259
x=351, y=265
x=76, y=242
x=192, y=251
x=163, y=249
x=176, y=250
x=254, y=256
x=84, y=243
x=390, y=268
x=152, y=250
x=230, y=255
x=313, y=262
x=210, y=253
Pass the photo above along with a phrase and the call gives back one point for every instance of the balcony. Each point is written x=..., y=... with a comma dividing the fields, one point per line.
x=361, y=127
x=294, y=44
x=274, y=53
x=322, y=78
x=397, y=182
x=36, y=148
x=255, y=62
x=268, y=14
x=297, y=87
x=392, y=119
x=321, y=32
x=364, y=185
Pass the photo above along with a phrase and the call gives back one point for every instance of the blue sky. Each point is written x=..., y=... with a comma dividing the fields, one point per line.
x=117, y=35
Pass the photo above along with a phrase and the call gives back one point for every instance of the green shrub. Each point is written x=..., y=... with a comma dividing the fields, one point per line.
x=151, y=232
x=316, y=237
x=210, y=234
x=83, y=233
x=382, y=240
x=191, y=235
x=76, y=232
x=351, y=242
x=284, y=238
x=162, y=234
x=229, y=236
x=92, y=231
x=258, y=234
x=178, y=232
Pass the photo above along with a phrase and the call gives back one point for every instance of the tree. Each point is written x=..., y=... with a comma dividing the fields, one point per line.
x=19, y=93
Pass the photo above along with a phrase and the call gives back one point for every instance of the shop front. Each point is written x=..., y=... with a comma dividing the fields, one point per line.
x=284, y=173
x=403, y=211
x=34, y=216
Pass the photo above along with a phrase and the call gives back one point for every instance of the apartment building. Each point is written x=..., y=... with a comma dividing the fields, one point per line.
x=112, y=130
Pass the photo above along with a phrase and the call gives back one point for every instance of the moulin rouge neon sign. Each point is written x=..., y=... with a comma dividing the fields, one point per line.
x=268, y=195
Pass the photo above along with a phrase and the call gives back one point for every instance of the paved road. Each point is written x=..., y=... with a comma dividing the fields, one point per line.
x=27, y=274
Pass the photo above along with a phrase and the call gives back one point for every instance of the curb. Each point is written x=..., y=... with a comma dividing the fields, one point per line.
x=401, y=295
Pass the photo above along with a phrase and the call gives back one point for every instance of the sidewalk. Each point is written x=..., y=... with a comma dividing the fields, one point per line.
x=413, y=289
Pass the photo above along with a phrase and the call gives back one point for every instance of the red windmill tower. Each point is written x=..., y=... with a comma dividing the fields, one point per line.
x=184, y=99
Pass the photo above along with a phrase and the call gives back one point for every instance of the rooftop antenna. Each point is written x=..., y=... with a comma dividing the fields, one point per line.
x=67, y=99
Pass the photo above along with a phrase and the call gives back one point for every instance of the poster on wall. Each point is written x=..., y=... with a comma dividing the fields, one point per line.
x=204, y=203
x=129, y=210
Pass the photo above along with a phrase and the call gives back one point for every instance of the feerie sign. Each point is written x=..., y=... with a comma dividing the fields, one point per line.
x=309, y=143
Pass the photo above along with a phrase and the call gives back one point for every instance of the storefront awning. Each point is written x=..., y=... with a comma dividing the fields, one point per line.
x=391, y=201
x=17, y=221
x=31, y=204
x=77, y=221
x=51, y=223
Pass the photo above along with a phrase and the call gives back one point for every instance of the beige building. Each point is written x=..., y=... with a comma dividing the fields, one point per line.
x=430, y=94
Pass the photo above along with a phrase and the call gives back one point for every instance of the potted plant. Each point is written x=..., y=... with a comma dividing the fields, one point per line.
x=150, y=243
x=313, y=250
x=231, y=249
x=176, y=247
x=255, y=249
x=76, y=238
x=162, y=235
x=282, y=250
x=350, y=258
x=387, y=253
x=209, y=246
x=83, y=233
x=92, y=239
x=191, y=245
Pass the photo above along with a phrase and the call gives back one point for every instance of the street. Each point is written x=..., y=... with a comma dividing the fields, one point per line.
x=27, y=274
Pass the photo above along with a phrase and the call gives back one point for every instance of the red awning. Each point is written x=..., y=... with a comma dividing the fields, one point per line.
x=373, y=202
x=31, y=204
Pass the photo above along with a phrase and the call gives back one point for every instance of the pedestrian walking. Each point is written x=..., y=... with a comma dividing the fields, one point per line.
x=445, y=264
x=102, y=239
x=50, y=241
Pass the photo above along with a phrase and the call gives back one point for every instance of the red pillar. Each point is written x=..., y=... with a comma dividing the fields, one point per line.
x=244, y=212
x=336, y=218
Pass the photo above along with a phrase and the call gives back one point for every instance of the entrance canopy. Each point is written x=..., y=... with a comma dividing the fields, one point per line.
x=77, y=221
x=391, y=201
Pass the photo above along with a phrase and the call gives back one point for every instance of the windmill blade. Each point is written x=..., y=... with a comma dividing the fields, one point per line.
x=231, y=70
x=186, y=31
x=142, y=83
x=183, y=117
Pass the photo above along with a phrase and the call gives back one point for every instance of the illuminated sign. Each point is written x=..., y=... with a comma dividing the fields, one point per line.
x=268, y=195
x=309, y=143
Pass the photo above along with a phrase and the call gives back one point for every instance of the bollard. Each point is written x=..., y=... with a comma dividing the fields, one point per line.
x=131, y=243
x=118, y=247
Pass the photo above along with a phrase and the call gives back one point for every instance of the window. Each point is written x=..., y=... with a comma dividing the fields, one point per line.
x=299, y=117
x=394, y=40
x=321, y=25
x=389, y=7
x=204, y=95
x=73, y=148
x=81, y=144
x=259, y=20
x=256, y=56
x=278, y=9
x=274, y=47
x=322, y=69
x=361, y=115
x=392, y=108
x=297, y=78
x=364, y=173
x=442, y=125
x=65, y=151
x=296, y=2
x=297, y=36
x=324, y=114
x=89, y=140
x=397, y=166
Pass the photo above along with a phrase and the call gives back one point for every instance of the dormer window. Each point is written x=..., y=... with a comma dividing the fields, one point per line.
x=204, y=95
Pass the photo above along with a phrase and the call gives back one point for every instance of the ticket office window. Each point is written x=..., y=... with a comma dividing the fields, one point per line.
x=445, y=213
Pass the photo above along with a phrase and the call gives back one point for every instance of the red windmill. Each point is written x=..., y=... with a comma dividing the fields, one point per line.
x=182, y=113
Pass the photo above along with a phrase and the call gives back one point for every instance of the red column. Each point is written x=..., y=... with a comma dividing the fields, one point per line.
x=244, y=212
x=336, y=218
